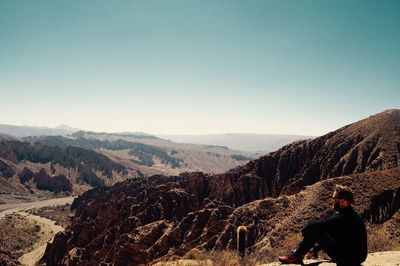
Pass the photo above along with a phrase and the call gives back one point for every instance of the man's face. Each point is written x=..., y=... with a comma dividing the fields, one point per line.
x=337, y=201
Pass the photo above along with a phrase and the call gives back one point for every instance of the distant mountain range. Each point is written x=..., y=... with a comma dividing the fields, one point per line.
x=71, y=160
x=254, y=143
x=151, y=155
x=251, y=143
x=74, y=162
x=25, y=131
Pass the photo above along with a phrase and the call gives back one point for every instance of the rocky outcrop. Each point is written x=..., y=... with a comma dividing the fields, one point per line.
x=6, y=170
x=145, y=220
x=57, y=250
x=25, y=175
x=383, y=206
x=55, y=184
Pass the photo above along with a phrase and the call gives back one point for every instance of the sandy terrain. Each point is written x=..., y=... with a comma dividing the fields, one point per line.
x=48, y=227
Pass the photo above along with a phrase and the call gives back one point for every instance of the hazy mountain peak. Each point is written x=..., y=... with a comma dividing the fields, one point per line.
x=67, y=128
x=26, y=131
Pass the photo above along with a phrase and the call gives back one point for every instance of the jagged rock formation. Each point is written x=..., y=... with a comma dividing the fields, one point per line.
x=367, y=145
x=145, y=220
x=65, y=169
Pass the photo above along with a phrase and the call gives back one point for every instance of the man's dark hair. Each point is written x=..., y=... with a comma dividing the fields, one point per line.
x=344, y=193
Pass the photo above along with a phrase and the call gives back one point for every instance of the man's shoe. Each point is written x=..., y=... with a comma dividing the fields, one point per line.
x=291, y=259
x=312, y=254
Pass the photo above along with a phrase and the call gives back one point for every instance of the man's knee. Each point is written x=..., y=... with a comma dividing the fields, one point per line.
x=311, y=228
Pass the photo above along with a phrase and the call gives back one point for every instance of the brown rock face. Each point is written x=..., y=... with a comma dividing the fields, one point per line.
x=145, y=220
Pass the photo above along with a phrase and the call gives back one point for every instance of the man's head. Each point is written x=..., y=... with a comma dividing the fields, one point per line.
x=342, y=197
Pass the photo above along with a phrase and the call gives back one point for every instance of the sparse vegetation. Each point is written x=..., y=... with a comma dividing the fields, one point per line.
x=240, y=158
x=81, y=134
x=86, y=175
x=215, y=146
x=381, y=239
x=221, y=258
x=145, y=155
x=144, y=152
x=17, y=234
x=213, y=154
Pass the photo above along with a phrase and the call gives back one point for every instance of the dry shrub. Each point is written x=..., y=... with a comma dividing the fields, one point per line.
x=379, y=240
x=255, y=257
x=259, y=257
x=194, y=257
x=197, y=254
x=225, y=258
x=185, y=263
x=198, y=257
x=219, y=258
x=270, y=254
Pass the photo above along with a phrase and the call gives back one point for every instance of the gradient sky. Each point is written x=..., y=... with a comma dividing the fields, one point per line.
x=197, y=67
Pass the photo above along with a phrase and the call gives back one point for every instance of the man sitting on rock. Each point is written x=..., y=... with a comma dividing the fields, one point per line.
x=342, y=236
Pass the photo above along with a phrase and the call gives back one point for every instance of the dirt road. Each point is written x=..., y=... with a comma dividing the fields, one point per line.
x=48, y=227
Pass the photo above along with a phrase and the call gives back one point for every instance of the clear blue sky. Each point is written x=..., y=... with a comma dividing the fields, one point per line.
x=195, y=67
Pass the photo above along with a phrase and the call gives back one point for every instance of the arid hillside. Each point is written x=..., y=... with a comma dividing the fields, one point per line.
x=159, y=218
